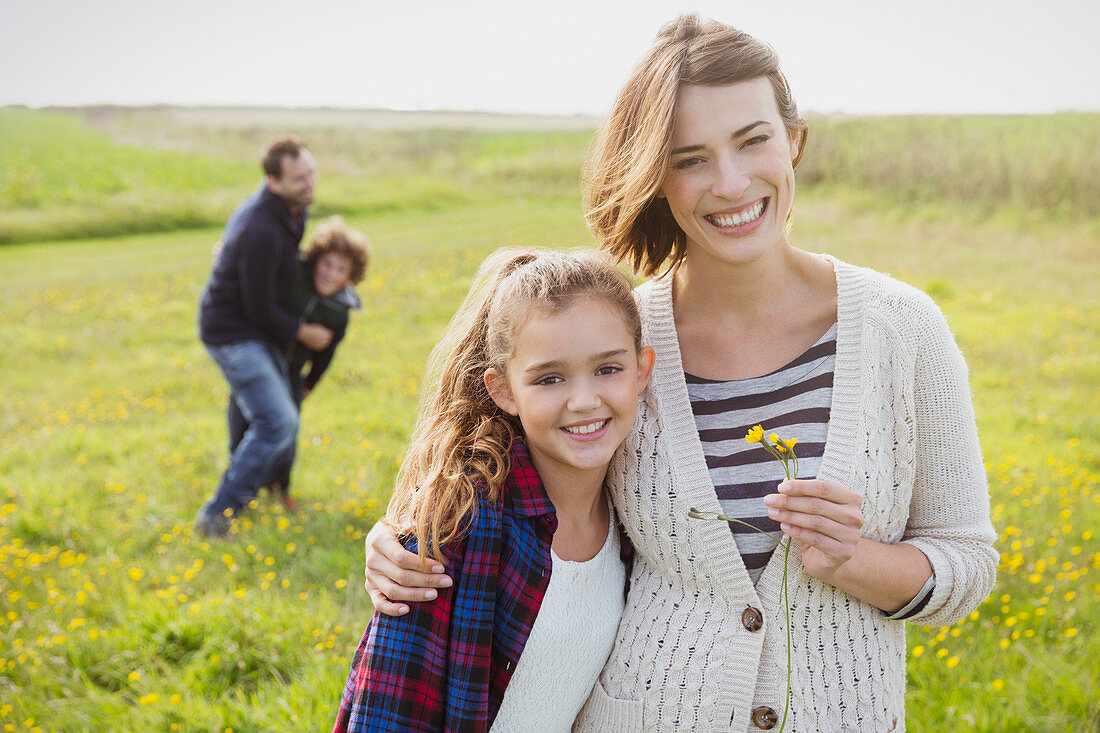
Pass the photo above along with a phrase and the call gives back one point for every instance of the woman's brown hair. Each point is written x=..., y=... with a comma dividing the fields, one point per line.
x=629, y=156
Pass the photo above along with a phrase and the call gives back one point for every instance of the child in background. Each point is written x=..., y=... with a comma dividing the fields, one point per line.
x=322, y=293
x=503, y=482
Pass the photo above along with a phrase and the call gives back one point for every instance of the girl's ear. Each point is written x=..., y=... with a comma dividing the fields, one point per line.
x=497, y=384
x=646, y=357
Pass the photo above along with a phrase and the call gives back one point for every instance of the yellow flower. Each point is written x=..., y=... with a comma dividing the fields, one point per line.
x=774, y=437
x=755, y=434
x=789, y=444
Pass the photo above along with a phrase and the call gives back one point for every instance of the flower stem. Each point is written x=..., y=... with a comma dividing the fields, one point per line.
x=784, y=594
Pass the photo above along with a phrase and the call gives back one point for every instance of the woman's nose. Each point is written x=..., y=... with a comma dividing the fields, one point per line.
x=730, y=180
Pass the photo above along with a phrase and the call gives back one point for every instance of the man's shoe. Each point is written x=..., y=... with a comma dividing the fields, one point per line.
x=213, y=526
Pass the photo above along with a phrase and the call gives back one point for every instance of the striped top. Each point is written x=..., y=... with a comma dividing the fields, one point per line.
x=792, y=401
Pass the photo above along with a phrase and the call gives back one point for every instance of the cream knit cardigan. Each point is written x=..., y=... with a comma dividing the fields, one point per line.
x=901, y=432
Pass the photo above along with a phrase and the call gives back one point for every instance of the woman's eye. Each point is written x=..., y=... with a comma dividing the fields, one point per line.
x=759, y=139
x=687, y=163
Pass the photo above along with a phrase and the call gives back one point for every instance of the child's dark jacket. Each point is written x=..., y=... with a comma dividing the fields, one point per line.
x=330, y=312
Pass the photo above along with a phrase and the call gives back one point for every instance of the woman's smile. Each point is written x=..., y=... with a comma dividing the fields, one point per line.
x=740, y=220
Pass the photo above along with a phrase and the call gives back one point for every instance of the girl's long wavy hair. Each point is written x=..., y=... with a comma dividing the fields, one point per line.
x=628, y=159
x=460, y=444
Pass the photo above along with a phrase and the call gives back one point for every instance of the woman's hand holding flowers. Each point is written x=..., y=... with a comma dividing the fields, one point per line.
x=823, y=518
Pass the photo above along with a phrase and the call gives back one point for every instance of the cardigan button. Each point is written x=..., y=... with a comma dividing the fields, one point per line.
x=752, y=619
x=764, y=717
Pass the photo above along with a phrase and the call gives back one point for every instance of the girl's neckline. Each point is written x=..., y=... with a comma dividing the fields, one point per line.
x=603, y=548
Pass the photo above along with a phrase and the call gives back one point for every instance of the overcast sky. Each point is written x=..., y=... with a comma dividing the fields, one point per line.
x=556, y=57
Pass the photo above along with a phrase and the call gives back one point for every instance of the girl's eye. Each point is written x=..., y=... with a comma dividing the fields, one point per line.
x=755, y=141
x=608, y=369
x=548, y=380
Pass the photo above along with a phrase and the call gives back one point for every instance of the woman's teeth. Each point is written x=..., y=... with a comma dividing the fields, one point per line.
x=735, y=220
x=586, y=429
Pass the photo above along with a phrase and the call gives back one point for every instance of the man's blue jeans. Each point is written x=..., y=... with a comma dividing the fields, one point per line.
x=260, y=386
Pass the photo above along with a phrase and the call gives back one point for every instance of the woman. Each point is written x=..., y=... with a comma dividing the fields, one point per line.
x=692, y=180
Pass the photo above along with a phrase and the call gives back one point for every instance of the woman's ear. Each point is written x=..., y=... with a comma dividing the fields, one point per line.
x=798, y=139
x=646, y=357
x=497, y=384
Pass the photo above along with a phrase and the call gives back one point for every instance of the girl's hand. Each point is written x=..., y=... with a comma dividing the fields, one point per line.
x=394, y=574
x=823, y=518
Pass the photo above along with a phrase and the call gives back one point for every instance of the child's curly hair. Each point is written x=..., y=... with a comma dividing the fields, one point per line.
x=332, y=237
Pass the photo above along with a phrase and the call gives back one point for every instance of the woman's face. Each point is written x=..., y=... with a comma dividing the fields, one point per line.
x=730, y=178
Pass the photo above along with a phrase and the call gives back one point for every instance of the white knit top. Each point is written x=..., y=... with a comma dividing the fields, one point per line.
x=901, y=432
x=568, y=644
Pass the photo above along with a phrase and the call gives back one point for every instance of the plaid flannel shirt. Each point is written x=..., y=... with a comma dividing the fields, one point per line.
x=444, y=666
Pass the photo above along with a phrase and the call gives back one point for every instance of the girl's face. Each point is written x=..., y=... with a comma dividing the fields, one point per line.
x=573, y=380
x=730, y=180
x=330, y=274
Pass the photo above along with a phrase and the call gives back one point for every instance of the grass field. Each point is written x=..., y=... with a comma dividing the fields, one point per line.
x=111, y=431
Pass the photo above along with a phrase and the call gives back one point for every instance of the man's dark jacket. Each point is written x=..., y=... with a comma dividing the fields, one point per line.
x=253, y=276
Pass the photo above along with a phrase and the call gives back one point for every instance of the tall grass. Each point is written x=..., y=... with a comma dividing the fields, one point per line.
x=1044, y=163
x=99, y=171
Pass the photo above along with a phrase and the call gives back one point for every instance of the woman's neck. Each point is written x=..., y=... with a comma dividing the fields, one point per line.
x=752, y=292
x=744, y=320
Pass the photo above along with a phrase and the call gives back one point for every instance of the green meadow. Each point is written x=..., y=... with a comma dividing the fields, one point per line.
x=112, y=432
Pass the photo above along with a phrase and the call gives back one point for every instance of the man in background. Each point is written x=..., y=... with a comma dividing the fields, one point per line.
x=247, y=330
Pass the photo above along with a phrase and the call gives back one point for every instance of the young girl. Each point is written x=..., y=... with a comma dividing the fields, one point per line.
x=503, y=482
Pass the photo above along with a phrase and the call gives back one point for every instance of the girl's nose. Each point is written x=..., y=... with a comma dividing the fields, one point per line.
x=583, y=397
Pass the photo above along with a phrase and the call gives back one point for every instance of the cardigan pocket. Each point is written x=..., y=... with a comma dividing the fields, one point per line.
x=605, y=714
